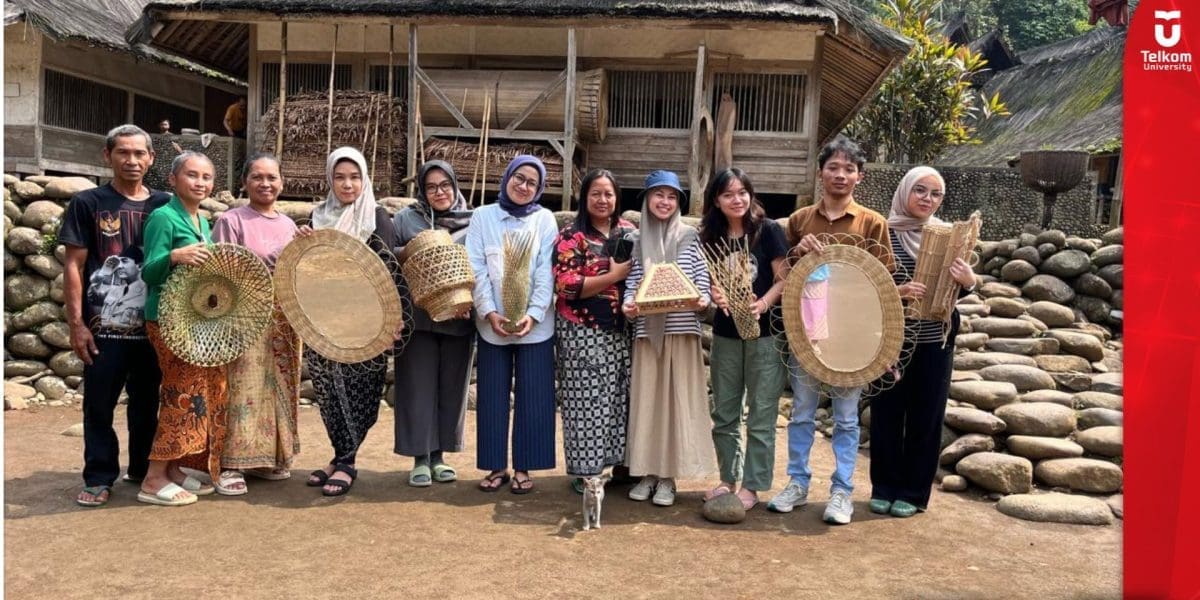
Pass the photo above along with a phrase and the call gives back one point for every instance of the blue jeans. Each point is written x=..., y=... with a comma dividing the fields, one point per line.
x=806, y=394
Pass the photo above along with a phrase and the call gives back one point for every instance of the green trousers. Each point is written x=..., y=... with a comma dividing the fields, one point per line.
x=746, y=372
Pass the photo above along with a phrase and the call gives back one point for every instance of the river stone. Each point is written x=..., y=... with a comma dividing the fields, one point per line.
x=213, y=205
x=1063, y=363
x=1114, y=236
x=11, y=209
x=28, y=345
x=970, y=299
x=973, y=420
x=42, y=312
x=75, y=430
x=1108, y=255
x=65, y=364
x=1052, y=236
x=1107, y=440
x=73, y=381
x=1090, y=284
x=1056, y=508
x=23, y=368
x=1017, y=271
x=1055, y=396
x=1025, y=346
x=1037, y=418
x=986, y=250
x=1099, y=332
x=954, y=483
x=52, y=387
x=44, y=265
x=27, y=190
x=41, y=180
x=1024, y=377
x=1002, y=327
x=56, y=289
x=965, y=376
x=997, y=472
x=1095, y=309
x=948, y=438
x=65, y=187
x=1029, y=255
x=1079, y=344
x=1082, y=474
x=974, y=310
x=1098, y=417
x=1072, y=381
x=1082, y=244
x=12, y=262
x=10, y=179
x=1038, y=325
x=727, y=508
x=987, y=395
x=23, y=290
x=1048, y=288
x=41, y=213
x=973, y=361
x=294, y=209
x=1090, y=399
x=1051, y=313
x=993, y=266
x=1005, y=248
x=971, y=341
x=1116, y=503
x=993, y=289
x=24, y=240
x=1113, y=274
x=1066, y=264
x=56, y=334
x=1108, y=382
x=1046, y=250
x=965, y=446
x=1037, y=447
x=1006, y=307
x=1117, y=300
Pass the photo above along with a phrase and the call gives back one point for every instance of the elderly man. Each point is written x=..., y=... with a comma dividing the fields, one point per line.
x=102, y=231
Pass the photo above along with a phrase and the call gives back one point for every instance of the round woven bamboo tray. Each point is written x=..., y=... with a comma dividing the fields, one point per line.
x=439, y=274
x=210, y=314
x=330, y=343
x=888, y=351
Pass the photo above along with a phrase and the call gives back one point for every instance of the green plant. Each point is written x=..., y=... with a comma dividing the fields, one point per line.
x=50, y=240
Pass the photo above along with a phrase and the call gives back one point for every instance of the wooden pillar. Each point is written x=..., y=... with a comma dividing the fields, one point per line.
x=282, y=88
x=807, y=194
x=1114, y=217
x=329, y=110
x=695, y=162
x=569, y=124
x=391, y=176
x=414, y=141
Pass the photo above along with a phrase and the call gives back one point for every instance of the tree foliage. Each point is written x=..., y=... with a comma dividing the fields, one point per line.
x=1032, y=23
x=927, y=103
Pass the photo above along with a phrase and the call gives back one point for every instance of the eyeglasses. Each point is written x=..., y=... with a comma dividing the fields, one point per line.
x=444, y=187
x=523, y=181
x=924, y=192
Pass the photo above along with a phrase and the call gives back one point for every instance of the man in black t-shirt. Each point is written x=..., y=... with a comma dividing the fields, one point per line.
x=102, y=231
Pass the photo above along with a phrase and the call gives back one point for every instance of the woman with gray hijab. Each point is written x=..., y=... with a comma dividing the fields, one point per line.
x=433, y=371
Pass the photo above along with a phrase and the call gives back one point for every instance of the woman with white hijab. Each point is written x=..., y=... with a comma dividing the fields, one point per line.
x=906, y=420
x=349, y=395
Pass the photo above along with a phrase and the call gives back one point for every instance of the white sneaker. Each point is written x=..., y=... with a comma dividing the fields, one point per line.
x=792, y=496
x=643, y=489
x=840, y=510
x=664, y=494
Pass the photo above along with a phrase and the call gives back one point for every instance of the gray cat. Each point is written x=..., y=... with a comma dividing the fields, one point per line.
x=593, y=497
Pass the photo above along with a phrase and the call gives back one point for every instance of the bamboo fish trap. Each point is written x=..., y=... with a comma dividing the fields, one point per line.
x=439, y=274
x=665, y=289
x=940, y=245
x=729, y=266
x=514, y=287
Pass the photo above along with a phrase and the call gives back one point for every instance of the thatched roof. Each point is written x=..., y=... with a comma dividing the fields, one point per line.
x=98, y=23
x=1065, y=96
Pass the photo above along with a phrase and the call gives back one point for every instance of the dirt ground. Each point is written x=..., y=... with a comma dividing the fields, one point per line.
x=451, y=541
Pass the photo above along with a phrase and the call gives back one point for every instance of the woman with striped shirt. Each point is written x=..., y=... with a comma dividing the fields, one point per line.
x=668, y=408
x=906, y=420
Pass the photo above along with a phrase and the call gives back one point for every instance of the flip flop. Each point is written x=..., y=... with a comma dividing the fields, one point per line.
x=494, y=481
x=444, y=473
x=521, y=486
x=95, y=491
x=747, y=505
x=165, y=496
x=197, y=486
x=227, y=480
x=420, y=476
x=270, y=474
x=720, y=490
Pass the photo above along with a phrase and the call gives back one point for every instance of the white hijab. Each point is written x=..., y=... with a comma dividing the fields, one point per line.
x=357, y=219
x=903, y=225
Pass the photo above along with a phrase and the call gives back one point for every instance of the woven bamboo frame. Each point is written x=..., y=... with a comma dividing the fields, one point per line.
x=683, y=301
x=373, y=270
x=940, y=246
x=439, y=274
x=886, y=354
x=729, y=267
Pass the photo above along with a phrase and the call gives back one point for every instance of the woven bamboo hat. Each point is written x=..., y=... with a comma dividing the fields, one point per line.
x=871, y=355
x=210, y=314
x=439, y=275
x=338, y=296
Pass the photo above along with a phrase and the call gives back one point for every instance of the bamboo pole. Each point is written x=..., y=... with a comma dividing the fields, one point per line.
x=391, y=130
x=487, y=130
x=375, y=144
x=478, y=153
x=282, y=88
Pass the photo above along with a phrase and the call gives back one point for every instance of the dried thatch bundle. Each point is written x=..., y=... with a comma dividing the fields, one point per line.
x=463, y=156
x=514, y=288
x=729, y=266
x=360, y=119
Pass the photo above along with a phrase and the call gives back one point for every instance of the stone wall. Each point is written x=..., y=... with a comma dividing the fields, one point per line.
x=1006, y=203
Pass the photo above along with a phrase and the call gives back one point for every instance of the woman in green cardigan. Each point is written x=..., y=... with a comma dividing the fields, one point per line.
x=192, y=401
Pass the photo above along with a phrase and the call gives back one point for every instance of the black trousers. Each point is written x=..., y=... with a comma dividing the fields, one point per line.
x=906, y=426
x=133, y=365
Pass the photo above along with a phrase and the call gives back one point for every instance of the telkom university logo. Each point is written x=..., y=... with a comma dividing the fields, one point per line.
x=1164, y=21
x=1168, y=31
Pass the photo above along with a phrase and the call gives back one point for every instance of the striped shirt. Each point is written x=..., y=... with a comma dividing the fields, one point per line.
x=678, y=323
x=921, y=331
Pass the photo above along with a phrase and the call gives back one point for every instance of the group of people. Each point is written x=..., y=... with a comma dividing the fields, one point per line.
x=630, y=387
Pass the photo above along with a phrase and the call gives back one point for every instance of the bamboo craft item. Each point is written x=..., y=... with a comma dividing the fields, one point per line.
x=729, y=266
x=940, y=245
x=439, y=274
x=665, y=289
x=514, y=287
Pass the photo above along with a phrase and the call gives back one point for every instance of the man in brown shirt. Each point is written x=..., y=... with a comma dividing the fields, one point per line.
x=841, y=169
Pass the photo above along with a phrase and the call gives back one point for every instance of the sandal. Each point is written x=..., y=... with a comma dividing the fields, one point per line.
x=521, y=486
x=720, y=490
x=196, y=486
x=577, y=485
x=100, y=495
x=342, y=486
x=750, y=503
x=420, y=476
x=227, y=481
x=444, y=473
x=317, y=478
x=167, y=496
x=493, y=481
x=270, y=474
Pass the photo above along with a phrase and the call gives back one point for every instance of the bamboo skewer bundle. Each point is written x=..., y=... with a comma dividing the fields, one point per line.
x=464, y=157
x=514, y=287
x=729, y=267
x=940, y=245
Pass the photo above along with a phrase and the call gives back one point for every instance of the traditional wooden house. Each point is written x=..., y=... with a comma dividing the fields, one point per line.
x=628, y=86
x=70, y=76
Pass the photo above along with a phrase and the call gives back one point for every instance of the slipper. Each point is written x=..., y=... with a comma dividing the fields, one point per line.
x=444, y=473
x=317, y=478
x=227, y=480
x=493, y=481
x=342, y=486
x=420, y=476
x=577, y=485
x=166, y=496
x=748, y=504
x=95, y=491
x=720, y=490
x=196, y=486
x=521, y=486
x=270, y=474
